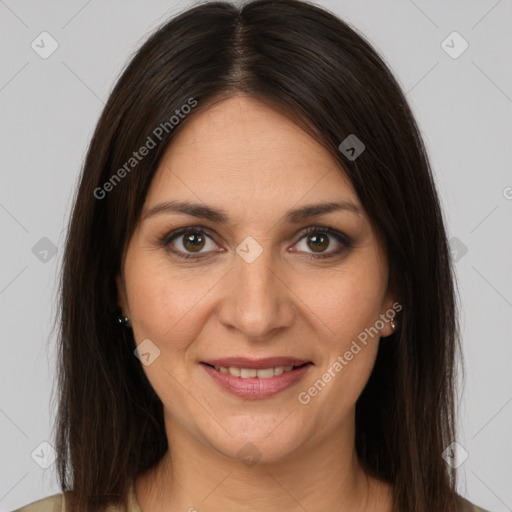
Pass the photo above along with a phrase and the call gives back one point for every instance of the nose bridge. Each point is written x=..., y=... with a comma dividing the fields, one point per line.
x=255, y=275
x=259, y=302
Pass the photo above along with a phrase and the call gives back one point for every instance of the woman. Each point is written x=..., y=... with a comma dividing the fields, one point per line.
x=257, y=308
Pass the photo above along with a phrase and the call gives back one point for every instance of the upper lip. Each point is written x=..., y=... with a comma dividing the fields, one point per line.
x=258, y=364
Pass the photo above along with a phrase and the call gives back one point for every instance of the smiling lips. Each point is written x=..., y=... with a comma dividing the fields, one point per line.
x=256, y=378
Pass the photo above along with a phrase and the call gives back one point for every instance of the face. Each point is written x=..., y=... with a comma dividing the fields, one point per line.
x=246, y=323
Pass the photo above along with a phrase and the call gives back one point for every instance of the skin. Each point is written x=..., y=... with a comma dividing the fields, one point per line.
x=254, y=163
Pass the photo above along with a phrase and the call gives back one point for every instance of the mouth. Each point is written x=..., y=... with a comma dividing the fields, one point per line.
x=254, y=379
x=260, y=373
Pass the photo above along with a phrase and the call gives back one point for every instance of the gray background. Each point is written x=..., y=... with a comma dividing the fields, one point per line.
x=48, y=111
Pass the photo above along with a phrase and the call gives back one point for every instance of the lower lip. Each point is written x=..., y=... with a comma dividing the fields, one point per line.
x=254, y=387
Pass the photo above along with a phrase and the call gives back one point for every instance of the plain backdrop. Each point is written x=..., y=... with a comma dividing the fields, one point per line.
x=461, y=97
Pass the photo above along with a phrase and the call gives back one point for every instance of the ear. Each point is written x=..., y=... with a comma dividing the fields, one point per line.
x=121, y=295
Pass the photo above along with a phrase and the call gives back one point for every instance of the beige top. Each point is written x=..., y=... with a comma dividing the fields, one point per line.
x=57, y=503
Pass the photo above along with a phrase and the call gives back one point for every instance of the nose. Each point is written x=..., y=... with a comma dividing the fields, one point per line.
x=257, y=301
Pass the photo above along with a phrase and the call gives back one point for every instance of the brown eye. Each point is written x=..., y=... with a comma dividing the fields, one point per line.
x=318, y=243
x=316, y=240
x=189, y=242
x=193, y=241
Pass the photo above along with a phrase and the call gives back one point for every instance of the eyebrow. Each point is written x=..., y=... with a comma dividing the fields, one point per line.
x=293, y=216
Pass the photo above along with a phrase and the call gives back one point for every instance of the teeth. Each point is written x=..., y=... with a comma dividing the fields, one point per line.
x=248, y=373
x=265, y=374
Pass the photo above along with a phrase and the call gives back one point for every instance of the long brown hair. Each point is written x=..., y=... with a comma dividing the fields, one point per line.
x=316, y=69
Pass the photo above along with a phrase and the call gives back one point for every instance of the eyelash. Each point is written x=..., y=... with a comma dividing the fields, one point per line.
x=342, y=238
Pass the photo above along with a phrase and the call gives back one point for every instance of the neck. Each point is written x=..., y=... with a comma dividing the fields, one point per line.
x=194, y=476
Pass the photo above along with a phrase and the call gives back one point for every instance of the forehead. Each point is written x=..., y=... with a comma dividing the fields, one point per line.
x=241, y=149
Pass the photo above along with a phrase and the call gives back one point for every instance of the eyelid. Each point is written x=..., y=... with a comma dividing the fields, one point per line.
x=346, y=241
x=176, y=233
x=340, y=236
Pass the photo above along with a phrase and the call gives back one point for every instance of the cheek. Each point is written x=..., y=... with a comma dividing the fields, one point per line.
x=349, y=357
x=346, y=311
x=345, y=303
x=166, y=305
x=165, y=308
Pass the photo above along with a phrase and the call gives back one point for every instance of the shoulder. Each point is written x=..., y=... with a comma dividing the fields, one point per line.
x=63, y=502
x=478, y=509
x=54, y=503
x=467, y=506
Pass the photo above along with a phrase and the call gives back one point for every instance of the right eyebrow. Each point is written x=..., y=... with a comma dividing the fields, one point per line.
x=293, y=216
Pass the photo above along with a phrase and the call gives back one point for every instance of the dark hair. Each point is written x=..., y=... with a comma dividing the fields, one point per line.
x=317, y=70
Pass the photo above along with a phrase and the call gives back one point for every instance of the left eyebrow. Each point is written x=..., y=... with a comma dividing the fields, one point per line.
x=315, y=210
x=293, y=216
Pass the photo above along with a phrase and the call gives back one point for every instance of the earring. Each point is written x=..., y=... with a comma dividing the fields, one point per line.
x=123, y=321
x=393, y=325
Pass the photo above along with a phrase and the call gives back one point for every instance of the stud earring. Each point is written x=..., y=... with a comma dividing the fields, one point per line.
x=393, y=325
x=123, y=321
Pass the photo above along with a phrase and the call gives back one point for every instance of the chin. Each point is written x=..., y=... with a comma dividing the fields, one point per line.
x=256, y=440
